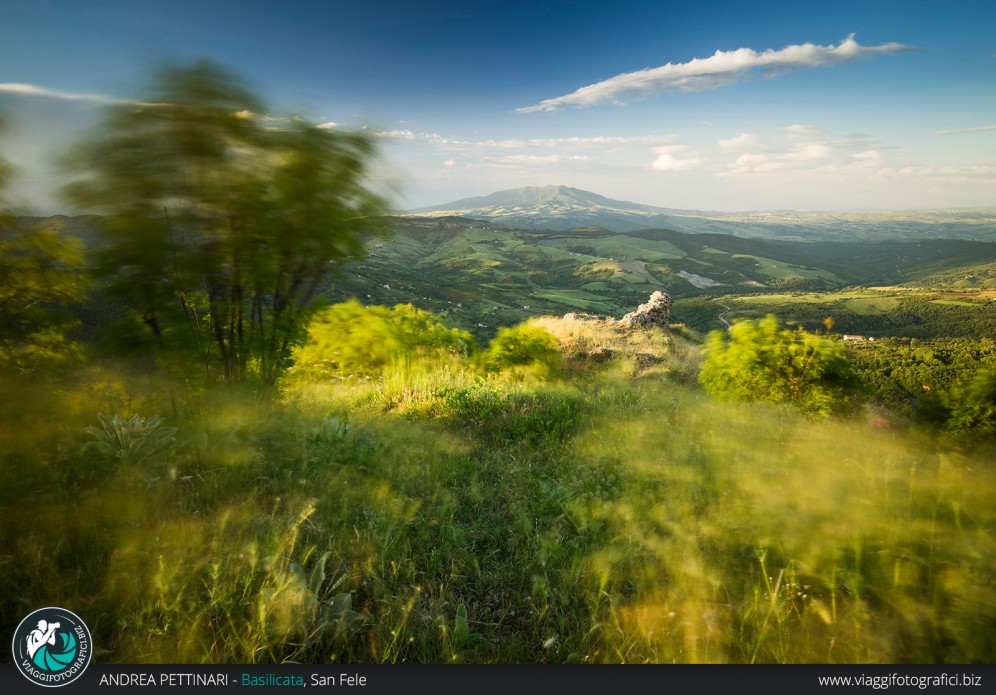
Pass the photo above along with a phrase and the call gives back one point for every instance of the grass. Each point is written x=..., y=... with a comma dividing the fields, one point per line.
x=780, y=269
x=615, y=515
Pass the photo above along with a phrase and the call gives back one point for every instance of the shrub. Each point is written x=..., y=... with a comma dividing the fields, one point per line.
x=762, y=361
x=523, y=350
x=969, y=408
x=350, y=339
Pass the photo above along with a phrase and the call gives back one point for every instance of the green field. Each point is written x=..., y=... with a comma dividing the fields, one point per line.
x=875, y=311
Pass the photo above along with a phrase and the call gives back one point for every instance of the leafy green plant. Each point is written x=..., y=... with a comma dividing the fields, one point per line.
x=458, y=636
x=292, y=604
x=135, y=441
x=761, y=361
x=523, y=350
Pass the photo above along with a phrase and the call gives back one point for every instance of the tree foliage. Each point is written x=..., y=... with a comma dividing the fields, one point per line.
x=763, y=361
x=972, y=404
x=967, y=408
x=352, y=340
x=912, y=377
x=220, y=225
x=41, y=273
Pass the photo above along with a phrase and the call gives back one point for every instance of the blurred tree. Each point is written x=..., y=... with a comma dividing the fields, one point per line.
x=40, y=273
x=968, y=408
x=350, y=339
x=219, y=225
x=761, y=361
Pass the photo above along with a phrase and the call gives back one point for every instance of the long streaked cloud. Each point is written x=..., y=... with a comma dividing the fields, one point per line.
x=531, y=155
x=519, y=161
x=520, y=143
x=958, y=131
x=36, y=91
x=721, y=69
x=31, y=90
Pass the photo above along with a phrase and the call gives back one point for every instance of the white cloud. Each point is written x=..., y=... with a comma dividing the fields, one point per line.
x=673, y=158
x=542, y=159
x=742, y=141
x=722, y=69
x=867, y=156
x=518, y=161
x=36, y=91
x=555, y=157
x=395, y=134
x=32, y=90
x=328, y=124
x=958, y=131
x=802, y=130
x=804, y=150
x=517, y=143
x=668, y=162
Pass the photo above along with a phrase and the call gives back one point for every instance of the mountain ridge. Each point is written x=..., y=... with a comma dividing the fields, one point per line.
x=549, y=195
x=560, y=208
x=553, y=207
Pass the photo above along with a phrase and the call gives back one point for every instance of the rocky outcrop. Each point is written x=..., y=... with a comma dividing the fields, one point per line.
x=655, y=313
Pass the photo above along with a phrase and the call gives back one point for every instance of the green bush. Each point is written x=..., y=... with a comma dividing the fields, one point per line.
x=969, y=407
x=523, y=350
x=352, y=340
x=762, y=361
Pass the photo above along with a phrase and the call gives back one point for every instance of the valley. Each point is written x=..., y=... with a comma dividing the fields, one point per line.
x=481, y=276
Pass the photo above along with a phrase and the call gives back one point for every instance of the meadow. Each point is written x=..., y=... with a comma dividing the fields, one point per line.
x=609, y=512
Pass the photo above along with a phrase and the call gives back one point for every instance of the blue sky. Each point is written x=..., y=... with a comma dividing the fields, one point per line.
x=707, y=105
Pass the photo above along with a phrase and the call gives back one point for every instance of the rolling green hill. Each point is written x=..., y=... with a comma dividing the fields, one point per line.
x=483, y=275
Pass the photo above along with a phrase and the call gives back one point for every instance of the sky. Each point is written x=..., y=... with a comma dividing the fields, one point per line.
x=711, y=105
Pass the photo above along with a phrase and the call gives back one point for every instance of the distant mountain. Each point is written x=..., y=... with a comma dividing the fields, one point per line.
x=559, y=208
x=555, y=207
